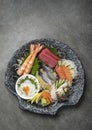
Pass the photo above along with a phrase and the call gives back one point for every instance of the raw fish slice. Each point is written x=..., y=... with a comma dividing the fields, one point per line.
x=48, y=58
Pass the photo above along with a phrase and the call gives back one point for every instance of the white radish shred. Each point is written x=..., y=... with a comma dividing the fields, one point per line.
x=53, y=93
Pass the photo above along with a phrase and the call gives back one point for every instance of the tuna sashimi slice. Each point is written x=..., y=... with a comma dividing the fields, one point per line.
x=48, y=58
x=47, y=51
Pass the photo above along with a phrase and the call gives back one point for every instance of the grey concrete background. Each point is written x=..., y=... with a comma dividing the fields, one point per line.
x=69, y=21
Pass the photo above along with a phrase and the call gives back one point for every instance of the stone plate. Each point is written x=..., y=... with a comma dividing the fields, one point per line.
x=66, y=52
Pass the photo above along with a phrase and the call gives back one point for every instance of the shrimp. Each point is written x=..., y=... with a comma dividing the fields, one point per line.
x=37, y=49
x=22, y=67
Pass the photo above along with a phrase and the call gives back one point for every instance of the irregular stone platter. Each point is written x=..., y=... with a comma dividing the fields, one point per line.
x=66, y=52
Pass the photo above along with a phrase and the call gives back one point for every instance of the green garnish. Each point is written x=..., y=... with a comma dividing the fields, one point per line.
x=27, y=78
x=21, y=81
x=44, y=102
x=33, y=82
x=35, y=66
x=52, y=49
x=59, y=83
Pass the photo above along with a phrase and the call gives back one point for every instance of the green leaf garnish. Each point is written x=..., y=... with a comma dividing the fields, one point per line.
x=35, y=66
x=52, y=49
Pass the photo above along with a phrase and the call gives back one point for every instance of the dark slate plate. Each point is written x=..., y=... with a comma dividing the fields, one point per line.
x=66, y=52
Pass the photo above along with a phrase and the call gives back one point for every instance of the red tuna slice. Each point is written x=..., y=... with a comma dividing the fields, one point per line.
x=50, y=63
x=47, y=51
x=48, y=58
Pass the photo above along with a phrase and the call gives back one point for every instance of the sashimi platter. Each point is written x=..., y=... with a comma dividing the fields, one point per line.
x=45, y=75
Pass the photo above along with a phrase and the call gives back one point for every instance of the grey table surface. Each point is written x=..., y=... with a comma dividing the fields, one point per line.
x=69, y=21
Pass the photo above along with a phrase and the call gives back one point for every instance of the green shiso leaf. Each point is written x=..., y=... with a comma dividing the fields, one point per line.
x=35, y=66
x=52, y=49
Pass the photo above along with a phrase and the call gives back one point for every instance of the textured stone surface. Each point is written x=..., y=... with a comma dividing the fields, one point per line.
x=69, y=21
x=65, y=52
